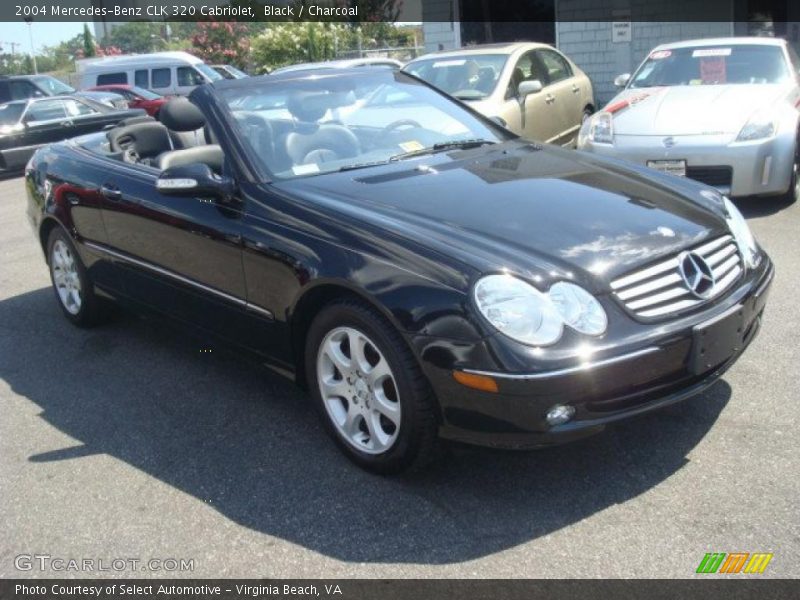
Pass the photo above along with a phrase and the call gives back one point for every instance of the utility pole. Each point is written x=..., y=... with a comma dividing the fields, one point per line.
x=29, y=21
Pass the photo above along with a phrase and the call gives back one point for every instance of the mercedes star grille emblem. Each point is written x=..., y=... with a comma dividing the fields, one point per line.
x=696, y=273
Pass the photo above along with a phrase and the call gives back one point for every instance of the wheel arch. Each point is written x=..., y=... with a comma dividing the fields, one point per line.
x=47, y=225
x=312, y=301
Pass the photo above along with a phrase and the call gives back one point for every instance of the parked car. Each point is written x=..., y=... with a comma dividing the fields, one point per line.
x=137, y=97
x=533, y=89
x=347, y=63
x=26, y=125
x=229, y=71
x=167, y=73
x=417, y=280
x=720, y=111
x=22, y=87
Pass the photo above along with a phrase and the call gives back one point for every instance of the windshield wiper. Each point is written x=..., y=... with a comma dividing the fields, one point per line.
x=442, y=146
x=363, y=165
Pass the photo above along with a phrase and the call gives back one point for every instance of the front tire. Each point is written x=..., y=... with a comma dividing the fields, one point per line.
x=793, y=192
x=72, y=285
x=369, y=390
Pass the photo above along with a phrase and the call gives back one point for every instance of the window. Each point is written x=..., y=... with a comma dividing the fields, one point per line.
x=111, y=78
x=21, y=90
x=210, y=73
x=189, y=76
x=78, y=109
x=556, y=68
x=467, y=76
x=10, y=113
x=341, y=131
x=713, y=65
x=45, y=110
x=141, y=78
x=526, y=69
x=161, y=78
x=52, y=86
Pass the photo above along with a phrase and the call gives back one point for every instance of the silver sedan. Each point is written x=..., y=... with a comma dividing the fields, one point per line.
x=720, y=111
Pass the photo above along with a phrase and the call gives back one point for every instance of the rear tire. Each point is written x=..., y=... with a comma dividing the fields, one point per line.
x=368, y=388
x=72, y=285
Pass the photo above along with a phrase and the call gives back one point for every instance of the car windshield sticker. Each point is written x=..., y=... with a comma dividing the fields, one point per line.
x=700, y=52
x=305, y=169
x=449, y=63
x=411, y=146
x=661, y=54
x=712, y=70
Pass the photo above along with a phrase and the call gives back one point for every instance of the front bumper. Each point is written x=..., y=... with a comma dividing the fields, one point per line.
x=761, y=167
x=659, y=370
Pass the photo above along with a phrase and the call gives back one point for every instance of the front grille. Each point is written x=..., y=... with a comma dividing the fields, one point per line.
x=713, y=176
x=660, y=289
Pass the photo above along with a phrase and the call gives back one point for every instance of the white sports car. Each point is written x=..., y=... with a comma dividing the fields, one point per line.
x=721, y=111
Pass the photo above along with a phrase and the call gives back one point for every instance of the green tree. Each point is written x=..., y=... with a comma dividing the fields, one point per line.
x=89, y=49
x=222, y=42
x=137, y=37
x=293, y=42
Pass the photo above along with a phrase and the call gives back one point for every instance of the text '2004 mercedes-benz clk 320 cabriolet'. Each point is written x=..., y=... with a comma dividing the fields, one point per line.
x=423, y=272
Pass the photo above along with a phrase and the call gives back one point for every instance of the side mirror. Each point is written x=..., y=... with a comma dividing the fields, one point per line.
x=621, y=81
x=195, y=180
x=529, y=87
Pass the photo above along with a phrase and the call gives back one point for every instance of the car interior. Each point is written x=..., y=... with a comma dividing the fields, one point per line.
x=178, y=137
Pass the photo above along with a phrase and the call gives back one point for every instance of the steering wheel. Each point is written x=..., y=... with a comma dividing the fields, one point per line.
x=400, y=123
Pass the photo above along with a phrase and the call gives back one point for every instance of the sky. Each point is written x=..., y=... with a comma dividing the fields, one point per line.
x=44, y=34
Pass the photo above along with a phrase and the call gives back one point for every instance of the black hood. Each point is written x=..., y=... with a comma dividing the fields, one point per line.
x=541, y=212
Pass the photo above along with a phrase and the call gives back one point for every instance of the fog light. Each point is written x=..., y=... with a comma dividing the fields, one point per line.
x=560, y=414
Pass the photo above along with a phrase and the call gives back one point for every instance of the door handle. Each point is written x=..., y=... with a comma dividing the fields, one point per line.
x=549, y=99
x=110, y=192
x=575, y=89
x=67, y=124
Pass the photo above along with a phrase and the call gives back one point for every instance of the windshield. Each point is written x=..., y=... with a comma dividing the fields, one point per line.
x=233, y=72
x=468, y=77
x=146, y=94
x=322, y=123
x=52, y=86
x=10, y=114
x=208, y=72
x=712, y=65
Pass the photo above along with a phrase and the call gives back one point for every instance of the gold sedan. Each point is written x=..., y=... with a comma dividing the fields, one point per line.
x=534, y=89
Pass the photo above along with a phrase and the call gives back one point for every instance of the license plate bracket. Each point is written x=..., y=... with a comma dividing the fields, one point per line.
x=673, y=167
x=716, y=340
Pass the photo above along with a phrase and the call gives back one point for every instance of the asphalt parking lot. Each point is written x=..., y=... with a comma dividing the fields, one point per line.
x=129, y=441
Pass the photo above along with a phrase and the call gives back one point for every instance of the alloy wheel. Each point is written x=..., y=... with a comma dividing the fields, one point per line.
x=358, y=390
x=66, y=278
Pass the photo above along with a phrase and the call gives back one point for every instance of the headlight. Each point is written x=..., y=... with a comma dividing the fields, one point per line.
x=742, y=234
x=518, y=310
x=527, y=315
x=579, y=309
x=599, y=128
x=759, y=126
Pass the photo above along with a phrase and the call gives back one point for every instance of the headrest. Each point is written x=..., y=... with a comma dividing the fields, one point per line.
x=312, y=106
x=179, y=114
x=148, y=139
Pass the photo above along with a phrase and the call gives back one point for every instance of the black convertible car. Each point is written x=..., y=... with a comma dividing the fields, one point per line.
x=26, y=125
x=421, y=270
